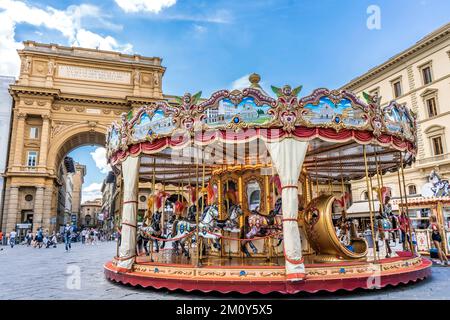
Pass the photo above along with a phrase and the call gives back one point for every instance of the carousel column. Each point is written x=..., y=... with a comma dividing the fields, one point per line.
x=127, y=250
x=288, y=156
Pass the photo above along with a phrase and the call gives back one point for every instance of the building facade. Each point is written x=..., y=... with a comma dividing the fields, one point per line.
x=65, y=97
x=5, y=121
x=90, y=211
x=77, y=181
x=420, y=78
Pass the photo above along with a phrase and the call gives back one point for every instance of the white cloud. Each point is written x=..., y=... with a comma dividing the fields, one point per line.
x=241, y=83
x=91, y=192
x=153, y=6
x=99, y=157
x=68, y=22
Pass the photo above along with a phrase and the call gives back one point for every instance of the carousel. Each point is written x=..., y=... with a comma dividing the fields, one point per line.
x=267, y=183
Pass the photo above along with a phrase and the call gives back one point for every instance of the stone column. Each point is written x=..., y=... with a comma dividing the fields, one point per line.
x=5, y=209
x=44, y=143
x=47, y=209
x=12, y=210
x=38, y=208
x=20, y=134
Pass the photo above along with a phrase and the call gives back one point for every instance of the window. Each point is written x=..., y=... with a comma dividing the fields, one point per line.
x=426, y=75
x=32, y=158
x=375, y=92
x=364, y=196
x=437, y=146
x=34, y=133
x=397, y=86
x=431, y=107
x=412, y=189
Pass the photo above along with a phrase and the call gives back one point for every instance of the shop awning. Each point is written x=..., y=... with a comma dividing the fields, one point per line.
x=361, y=208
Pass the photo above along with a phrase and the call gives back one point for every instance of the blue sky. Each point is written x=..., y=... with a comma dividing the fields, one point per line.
x=208, y=45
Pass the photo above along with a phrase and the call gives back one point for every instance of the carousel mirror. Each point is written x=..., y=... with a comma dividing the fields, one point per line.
x=254, y=195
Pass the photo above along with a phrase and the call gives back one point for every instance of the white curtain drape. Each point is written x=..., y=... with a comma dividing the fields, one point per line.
x=127, y=250
x=288, y=156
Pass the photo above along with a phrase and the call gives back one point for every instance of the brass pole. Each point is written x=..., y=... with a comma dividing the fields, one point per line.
x=373, y=208
x=369, y=196
x=413, y=250
x=203, y=182
x=197, y=212
x=317, y=179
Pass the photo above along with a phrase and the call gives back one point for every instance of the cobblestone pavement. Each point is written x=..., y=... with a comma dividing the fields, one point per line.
x=28, y=273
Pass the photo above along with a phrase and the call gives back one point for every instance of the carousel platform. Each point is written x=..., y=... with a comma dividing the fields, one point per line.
x=265, y=276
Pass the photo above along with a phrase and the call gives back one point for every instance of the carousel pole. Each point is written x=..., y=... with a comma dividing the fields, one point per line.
x=163, y=213
x=406, y=203
x=344, y=209
x=401, y=206
x=374, y=210
x=203, y=184
x=241, y=203
x=197, y=213
x=317, y=179
x=369, y=196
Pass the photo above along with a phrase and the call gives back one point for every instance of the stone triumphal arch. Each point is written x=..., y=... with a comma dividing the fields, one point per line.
x=65, y=97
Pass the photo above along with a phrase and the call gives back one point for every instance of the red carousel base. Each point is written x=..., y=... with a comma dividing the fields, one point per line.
x=266, y=279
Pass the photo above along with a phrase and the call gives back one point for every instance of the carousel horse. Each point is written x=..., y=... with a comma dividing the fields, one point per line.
x=182, y=226
x=231, y=223
x=383, y=221
x=260, y=225
x=154, y=229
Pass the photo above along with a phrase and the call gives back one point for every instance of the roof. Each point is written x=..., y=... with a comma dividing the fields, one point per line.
x=432, y=37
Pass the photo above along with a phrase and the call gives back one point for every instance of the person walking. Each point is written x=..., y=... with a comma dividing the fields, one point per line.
x=404, y=222
x=12, y=238
x=83, y=236
x=68, y=237
x=39, y=237
x=436, y=232
x=29, y=238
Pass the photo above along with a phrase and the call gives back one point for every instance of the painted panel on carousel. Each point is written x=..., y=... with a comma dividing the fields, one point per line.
x=245, y=111
x=146, y=126
x=399, y=120
x=328, y=112
x=113, y=138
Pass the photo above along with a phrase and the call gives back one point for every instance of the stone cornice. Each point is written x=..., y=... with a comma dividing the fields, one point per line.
x=92, y=100
x=91, y=55
x=40, y=91
x=434, y=38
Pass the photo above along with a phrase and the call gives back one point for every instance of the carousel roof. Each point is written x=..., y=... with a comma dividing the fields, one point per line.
x=232, y=127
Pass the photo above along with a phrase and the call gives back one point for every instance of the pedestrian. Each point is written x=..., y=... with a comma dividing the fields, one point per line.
x=83, y=236
x=92, y=236
x=404, y=222
x=12, y=238
x=68, y=237
x=39, y=237
x=437, y=239
x=54, y=239
x=29, y=238
x=1, y=239
x=394, y=227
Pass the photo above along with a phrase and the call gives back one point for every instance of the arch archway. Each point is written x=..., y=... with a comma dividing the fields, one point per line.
x=74, y=137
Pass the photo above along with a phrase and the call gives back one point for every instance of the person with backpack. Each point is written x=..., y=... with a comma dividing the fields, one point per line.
x=68, y=237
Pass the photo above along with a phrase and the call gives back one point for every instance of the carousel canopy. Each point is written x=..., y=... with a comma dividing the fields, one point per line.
x=175, y=140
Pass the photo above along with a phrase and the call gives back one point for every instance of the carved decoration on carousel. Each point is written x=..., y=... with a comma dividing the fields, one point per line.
x=265, y=214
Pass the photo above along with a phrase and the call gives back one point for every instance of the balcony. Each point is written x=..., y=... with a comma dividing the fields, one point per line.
x=439, y=158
